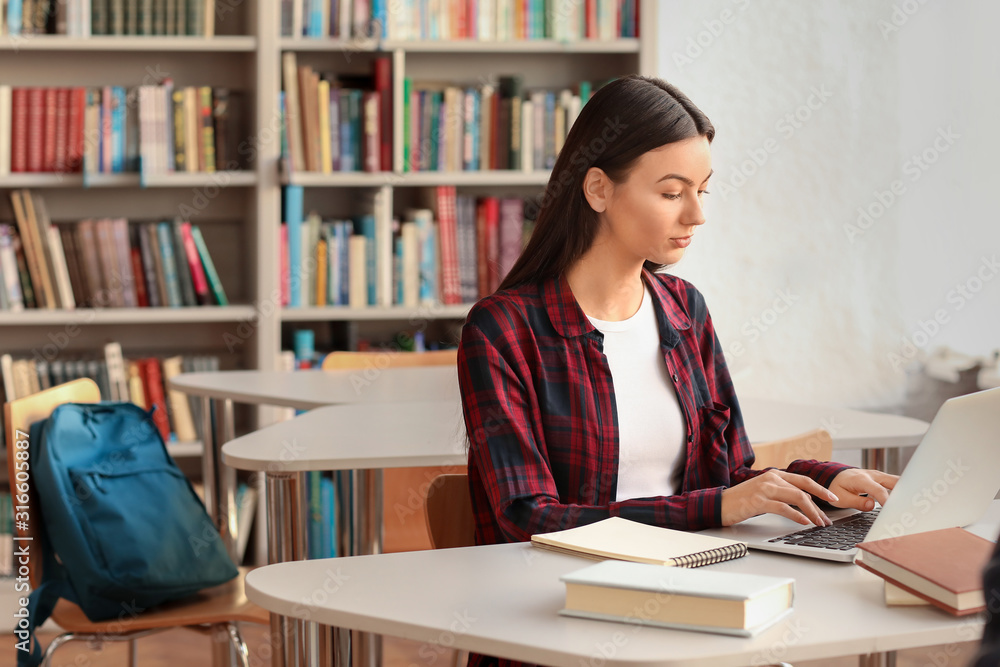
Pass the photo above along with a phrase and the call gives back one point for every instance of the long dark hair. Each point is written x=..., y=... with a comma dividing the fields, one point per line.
x=623, y=120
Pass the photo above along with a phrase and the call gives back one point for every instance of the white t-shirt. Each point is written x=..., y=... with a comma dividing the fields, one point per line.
x=652, y=433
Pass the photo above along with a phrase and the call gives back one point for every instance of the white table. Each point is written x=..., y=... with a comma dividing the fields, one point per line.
x=503, y=600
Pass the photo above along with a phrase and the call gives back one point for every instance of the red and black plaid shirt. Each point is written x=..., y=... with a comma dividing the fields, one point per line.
x=540, y=412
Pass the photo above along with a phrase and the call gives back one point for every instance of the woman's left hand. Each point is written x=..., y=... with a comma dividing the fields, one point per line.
x=850, y=483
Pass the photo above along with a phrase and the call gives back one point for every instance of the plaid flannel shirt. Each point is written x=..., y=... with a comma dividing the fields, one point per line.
x=539, y=409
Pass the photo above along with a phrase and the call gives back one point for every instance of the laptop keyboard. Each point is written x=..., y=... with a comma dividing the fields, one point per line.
x=842, y=535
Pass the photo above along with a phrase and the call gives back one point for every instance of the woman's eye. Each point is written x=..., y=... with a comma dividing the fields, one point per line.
x=670, y=196
x=703, y=192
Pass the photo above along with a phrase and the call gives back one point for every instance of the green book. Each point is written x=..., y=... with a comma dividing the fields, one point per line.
x=407, y=129
x=206, y=260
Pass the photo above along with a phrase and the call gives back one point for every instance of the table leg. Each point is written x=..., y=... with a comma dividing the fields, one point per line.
x=884, y=659
x=214, y=479
x=367, y=540
x=873, y=459
x=286, y=542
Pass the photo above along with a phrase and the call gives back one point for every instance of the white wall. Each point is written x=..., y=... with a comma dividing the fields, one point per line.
x=817, y=107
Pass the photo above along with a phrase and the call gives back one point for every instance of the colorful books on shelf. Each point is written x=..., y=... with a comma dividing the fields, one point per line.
x=336, y=122
x=141, y=380
x=102, y=263
x=487, y=20
x=455, y=250
x=943, y=567
x=100, y=131
x=621, y=539
x=729, y=603
x=85, y=18
x=451, y=127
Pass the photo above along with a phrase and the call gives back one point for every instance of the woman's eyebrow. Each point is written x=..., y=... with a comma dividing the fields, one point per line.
x=685, y=179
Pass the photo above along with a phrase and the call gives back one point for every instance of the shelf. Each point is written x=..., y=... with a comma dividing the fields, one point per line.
x=82, y=316
x=625, y=45
x=417, y=178
x=233, y=44
x=131, y=180
x=344, y=313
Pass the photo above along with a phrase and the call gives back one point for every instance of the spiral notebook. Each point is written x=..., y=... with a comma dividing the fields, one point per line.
x=622, y=539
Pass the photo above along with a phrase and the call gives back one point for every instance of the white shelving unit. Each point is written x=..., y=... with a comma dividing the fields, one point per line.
x=240, y=212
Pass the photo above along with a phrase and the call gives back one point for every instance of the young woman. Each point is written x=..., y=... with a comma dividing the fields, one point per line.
x=594, y=385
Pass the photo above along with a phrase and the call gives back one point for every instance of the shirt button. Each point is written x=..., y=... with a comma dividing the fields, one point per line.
x=675, y=377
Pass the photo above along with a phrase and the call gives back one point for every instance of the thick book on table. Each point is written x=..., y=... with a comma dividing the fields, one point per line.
x=703, y=600
x=943, y=567
x=622, y=539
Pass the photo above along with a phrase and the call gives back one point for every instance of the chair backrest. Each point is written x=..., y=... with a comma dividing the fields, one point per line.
x=815, y=444
x=448, y=510
x=19, y=415
x=342, y=360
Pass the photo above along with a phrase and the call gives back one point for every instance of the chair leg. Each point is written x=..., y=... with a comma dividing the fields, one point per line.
x=133, y=653
x=53, y=645
x=461, y=658
x=237, y=641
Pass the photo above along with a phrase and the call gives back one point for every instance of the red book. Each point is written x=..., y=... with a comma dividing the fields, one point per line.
x=36, y=129
x=492, y=244
x=591, y=22
x=451, y=293
x=152, y=385
x=49, y=125
x=482, y=251
x=198, y=279
x=61, y=131
x=139, y=277
x=460, y=18
x=371, y=115
x=383, y=85
x=19, y=130
x=74, y=130
x=943, y=567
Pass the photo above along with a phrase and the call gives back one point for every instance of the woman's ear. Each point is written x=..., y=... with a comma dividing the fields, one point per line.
x=597, y=189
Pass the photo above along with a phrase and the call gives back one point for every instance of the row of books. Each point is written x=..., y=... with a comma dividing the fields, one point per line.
x=457, y=250
x=493, y=20
x=336, y=122
x=450, y=128
x=103, y=130
x=140, y=380
x=83, y=18
x=102, y=263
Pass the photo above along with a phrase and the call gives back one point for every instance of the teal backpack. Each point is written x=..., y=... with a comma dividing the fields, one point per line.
x=124, y=529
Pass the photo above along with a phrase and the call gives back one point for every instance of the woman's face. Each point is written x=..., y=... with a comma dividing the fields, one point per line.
x=654, y=212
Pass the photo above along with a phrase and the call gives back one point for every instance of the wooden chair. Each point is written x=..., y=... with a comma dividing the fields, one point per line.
x=448, y=512
x=210, y=611
x=815, y=444
x=403, y=530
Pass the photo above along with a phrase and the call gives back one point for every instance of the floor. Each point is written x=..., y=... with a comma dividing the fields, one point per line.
x=182, y=647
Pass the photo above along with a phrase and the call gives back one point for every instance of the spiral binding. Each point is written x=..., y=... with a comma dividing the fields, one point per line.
x=718, y=555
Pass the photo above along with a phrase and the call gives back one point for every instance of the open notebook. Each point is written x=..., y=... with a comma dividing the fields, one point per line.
x=623, y=539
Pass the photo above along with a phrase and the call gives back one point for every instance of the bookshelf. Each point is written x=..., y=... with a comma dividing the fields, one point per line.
x=241, y=219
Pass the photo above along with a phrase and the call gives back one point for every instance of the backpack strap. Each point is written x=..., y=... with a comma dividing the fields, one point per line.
x=41, y=603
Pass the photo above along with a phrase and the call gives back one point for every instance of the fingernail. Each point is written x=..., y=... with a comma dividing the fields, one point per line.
x=831, y=496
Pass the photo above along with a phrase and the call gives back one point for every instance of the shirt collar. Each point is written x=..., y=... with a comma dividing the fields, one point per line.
x=570, y=321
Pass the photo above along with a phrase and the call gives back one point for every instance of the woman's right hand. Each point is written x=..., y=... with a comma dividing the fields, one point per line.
x=775, y=492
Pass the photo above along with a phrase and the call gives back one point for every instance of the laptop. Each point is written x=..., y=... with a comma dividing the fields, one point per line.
x=950, y=481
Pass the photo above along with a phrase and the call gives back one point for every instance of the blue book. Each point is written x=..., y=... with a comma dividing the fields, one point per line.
x=281, y=120
x=397, y=270
x=473, y=163
x=117, y=129
x=314, y=19
x=366, y=227
x=346, y=154
x=427, y=236
x=357, y=128
x=165, y=235
x=14, y=17
x=344, y=231
x=328, y=505
x=378, y=18
x=293, y=218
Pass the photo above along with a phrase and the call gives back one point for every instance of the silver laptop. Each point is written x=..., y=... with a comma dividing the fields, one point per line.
x=950, y=481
